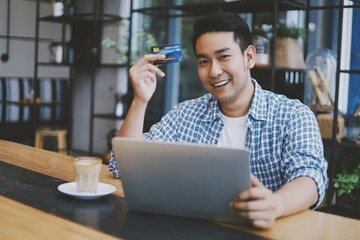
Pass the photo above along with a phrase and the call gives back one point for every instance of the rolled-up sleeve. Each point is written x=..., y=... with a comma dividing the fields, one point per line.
x=304, y=153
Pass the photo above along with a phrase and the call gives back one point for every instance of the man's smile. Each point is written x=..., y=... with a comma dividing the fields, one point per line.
x=221, y=83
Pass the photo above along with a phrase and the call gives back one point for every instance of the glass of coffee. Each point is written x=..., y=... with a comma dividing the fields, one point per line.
x=87, y=171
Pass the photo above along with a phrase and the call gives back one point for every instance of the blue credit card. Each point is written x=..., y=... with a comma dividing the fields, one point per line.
x=173, y=53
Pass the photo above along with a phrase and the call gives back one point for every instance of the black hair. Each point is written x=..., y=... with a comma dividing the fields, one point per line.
x=223, y=22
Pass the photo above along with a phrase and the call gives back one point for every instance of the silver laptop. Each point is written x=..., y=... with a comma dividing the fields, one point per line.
x=181, y=179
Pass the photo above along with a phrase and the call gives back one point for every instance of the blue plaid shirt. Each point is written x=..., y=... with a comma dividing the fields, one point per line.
x=283, y=136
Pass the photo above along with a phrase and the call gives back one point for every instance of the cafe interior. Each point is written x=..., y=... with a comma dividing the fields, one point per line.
x=65, y=91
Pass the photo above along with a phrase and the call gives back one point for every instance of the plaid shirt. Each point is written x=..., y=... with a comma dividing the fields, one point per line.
x=283, y=136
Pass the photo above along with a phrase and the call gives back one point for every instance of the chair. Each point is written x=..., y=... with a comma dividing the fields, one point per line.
x=60, y=134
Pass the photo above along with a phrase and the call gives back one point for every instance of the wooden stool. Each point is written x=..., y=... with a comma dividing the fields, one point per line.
x=49, y=132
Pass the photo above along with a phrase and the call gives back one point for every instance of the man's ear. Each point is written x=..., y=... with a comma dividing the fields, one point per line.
x=250, y=55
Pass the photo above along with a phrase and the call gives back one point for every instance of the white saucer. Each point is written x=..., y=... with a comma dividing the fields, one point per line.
x=70, y=189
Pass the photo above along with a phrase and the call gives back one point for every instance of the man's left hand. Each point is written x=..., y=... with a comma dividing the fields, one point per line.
x=257, y=205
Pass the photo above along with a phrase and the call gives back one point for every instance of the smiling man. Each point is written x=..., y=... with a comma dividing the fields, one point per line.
x=286, y=151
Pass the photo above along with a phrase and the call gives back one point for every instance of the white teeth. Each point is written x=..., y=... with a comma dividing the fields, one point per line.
x=222, y=83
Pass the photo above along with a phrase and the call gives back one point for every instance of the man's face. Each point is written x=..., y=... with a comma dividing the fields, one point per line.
x=223, y=69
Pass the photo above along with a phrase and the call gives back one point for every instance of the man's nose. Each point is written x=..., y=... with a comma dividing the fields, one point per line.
x=216, y=69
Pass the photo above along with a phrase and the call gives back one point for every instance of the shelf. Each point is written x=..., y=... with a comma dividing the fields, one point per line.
x=331, y=6
x=244, y=6
x=109, y=65
x=322, y=109
x=105, y=65
x=52, y=64
x=349, y=145
x=29, y=103
x=113, y=65
x=108, y=116
x=268, y=68
x=81, y=17
x=24, y=38
x=351, y=71
x=343, y=144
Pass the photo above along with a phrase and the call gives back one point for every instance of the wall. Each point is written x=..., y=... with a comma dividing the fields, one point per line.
x=22, y=31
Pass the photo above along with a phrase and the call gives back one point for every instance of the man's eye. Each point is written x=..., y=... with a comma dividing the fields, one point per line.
x=202, y=62
x=223, y=57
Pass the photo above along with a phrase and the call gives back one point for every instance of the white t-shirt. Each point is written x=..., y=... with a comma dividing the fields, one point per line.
x=234, y=132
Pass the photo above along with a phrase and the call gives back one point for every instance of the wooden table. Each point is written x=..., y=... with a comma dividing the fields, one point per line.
x=20, y=221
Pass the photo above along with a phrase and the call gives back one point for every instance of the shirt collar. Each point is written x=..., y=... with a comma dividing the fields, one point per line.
x=212, y=111
x=258, y=108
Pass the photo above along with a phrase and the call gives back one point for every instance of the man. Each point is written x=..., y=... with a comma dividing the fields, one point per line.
x=286, y=151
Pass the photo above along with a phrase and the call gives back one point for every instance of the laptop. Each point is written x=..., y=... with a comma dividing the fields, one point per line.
x=181, y=179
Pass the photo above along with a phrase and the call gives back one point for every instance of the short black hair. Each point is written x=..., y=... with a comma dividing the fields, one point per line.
x=223, y=22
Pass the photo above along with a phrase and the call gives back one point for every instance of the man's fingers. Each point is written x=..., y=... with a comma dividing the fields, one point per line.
x=145, y=64
x=260, y=219
x=143, y=75
x=147, y=67
x=150, y=58
x=156, y=70
x=253, y=193
x=258, y=205
x=252, y=215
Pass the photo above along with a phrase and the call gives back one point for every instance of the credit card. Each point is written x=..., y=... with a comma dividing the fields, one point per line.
x=173, y=53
